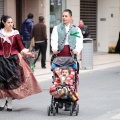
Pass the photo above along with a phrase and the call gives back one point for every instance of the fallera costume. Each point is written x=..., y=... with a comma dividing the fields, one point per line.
x=16, y=78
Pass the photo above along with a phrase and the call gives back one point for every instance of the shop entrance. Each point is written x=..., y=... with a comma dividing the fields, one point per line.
x=88, y=13
x=56, y=8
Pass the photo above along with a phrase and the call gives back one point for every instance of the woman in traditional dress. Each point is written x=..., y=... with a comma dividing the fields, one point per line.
x=16, y=79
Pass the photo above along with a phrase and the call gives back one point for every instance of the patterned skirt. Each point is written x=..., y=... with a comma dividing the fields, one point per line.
x=16, y=78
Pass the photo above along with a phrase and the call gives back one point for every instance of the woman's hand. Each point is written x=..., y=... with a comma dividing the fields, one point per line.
x=24, y=51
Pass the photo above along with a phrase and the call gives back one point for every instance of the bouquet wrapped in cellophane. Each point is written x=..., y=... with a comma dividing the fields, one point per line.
x=30, y=58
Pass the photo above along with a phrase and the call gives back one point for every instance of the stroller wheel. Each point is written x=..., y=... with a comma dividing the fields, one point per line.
x=54, y=111
x=57, y=105
x=71, y=110
x=49, y=110
x=77, y=109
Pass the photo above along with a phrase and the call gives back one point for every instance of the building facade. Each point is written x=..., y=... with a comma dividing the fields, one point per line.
x=102, y=16
x=108, y=23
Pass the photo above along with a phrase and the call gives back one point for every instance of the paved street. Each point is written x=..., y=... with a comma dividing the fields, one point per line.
x=99, y=91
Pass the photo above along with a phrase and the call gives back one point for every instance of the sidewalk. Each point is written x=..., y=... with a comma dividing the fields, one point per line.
x=100, y=61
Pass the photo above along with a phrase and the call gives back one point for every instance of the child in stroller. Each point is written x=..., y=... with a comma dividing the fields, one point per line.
x=64, y=83
x=64, y=88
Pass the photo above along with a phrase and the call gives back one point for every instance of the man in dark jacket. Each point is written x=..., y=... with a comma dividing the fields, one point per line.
x=40, y=37
x=85, y=32
x=84, y=29
x=27, y=26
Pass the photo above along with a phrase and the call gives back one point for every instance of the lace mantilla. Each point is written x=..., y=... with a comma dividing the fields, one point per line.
x=6, y=38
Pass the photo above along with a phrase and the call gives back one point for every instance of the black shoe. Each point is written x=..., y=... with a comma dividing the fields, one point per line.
x=9, y=109
x=67, y=107
x=44, y=67
x=60, y=105
x=1, y=108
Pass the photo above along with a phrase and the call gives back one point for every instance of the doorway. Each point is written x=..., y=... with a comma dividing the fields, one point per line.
x=18, y=14
x=56, y=9
x=88, y=13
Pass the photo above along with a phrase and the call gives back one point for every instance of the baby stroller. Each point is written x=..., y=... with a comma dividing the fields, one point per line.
x=29, y=59
x=67, y=99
